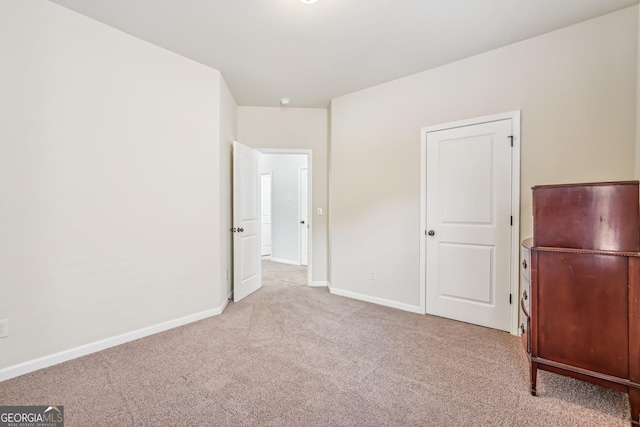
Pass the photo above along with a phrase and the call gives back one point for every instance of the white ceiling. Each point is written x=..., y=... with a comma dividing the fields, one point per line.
x=269, y=49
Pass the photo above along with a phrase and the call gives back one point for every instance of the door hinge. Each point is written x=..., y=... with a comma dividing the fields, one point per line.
x=510, y=298
x=511, y=138
x=511, y=220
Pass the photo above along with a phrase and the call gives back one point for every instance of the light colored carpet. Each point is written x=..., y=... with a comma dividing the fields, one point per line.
x=291, y=355
x=278, y=274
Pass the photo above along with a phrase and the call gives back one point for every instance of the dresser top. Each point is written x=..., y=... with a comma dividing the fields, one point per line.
x=528, y=243
x=587, y=184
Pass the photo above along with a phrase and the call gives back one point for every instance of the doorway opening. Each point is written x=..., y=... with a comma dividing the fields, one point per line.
x=286, y=225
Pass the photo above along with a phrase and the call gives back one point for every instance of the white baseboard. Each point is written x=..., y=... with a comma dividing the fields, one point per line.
x=224, y=305
x=319, y=283
x=83, y=350
x=376, y=300
x=285, y=261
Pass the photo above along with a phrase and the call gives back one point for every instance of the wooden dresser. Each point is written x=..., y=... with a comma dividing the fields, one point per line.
x=580, y=302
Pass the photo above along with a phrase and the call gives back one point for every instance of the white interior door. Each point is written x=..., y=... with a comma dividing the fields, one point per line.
x=304, y=217
x=247, y=271
x=265, y=212
x=468, y=218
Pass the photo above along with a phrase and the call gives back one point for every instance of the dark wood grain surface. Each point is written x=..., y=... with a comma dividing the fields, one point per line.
x=584, y=317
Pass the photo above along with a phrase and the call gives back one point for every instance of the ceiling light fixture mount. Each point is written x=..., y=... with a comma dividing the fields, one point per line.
x=285, y=102
x=308, y=1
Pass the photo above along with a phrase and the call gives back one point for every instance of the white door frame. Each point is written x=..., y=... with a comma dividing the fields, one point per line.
x=309, y=154
x=514, y=116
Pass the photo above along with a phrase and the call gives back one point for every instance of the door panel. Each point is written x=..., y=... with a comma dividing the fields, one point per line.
x=472, y=284
x=249, y=266
x=466, y=182
x=265, y=213
x=246, y=221
x=469, y=211
x=304, y=220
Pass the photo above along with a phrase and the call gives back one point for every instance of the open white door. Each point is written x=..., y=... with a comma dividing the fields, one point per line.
x=304, y=216
x=247, y=271
x=469, y=214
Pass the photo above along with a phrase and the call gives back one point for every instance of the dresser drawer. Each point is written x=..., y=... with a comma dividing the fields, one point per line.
x=525, y=267
x=525, y=270
x=525, y=325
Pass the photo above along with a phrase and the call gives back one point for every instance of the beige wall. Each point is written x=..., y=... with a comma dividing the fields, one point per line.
x=297, y=128
x=638, y=102
x=109, y=186
x=576, y=88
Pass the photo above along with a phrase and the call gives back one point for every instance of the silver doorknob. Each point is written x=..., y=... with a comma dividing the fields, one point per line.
x=240, y=230
x=431, y=233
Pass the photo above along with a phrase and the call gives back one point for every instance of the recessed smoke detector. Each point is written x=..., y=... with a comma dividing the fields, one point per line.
x=285, y=102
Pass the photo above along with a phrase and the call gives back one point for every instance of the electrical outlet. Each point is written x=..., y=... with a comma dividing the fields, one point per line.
x=373, y=275
x=4, y=328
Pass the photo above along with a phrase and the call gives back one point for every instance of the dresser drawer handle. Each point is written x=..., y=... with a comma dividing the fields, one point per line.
x=524, y=310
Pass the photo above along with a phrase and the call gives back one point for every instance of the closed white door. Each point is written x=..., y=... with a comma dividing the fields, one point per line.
x=304, y=220
x=468, y=218
x=247, y=272
x=265, y=212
